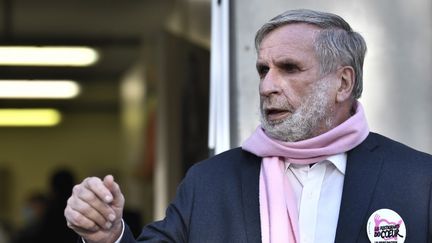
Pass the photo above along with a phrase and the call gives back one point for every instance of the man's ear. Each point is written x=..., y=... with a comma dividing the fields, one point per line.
x=346, y=77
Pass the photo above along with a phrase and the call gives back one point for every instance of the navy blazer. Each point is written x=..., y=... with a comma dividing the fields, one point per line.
x=218, y=199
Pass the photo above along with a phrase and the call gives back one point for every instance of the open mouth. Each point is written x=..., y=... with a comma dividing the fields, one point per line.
x=274, y=115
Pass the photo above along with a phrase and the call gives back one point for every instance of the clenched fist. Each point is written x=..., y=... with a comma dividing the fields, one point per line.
x=94, y=211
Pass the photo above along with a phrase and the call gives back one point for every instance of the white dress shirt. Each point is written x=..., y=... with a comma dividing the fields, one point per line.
x=318, y=190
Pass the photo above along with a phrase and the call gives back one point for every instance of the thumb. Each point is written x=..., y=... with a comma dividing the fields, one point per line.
x=118, y=199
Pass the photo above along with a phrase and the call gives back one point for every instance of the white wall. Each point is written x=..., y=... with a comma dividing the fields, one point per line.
x=397, y=72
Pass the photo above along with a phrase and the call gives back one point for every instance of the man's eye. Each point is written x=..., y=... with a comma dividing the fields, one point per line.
x=262, y=71
x=290, y=68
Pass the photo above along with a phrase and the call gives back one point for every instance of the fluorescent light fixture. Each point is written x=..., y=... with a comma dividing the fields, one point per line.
x=38, y=89
x=29, y=117
x=47, y=56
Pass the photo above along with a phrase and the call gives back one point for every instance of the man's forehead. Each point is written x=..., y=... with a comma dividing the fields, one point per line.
x=281, y=58
x=289, y=40
x=293, y=32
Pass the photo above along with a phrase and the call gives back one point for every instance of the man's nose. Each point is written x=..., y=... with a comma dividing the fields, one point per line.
x=270, y=84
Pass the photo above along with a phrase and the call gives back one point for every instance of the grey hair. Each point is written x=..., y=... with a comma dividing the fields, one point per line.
x=336, y=44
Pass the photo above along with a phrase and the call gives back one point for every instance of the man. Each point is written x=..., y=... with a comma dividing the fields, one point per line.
x=312, y=172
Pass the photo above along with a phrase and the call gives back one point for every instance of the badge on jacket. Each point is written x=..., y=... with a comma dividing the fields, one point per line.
x=386, y=226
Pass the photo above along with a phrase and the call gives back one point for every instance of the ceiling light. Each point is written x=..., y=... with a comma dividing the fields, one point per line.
x=38, y=89
x=29, y=117
x=47, y=56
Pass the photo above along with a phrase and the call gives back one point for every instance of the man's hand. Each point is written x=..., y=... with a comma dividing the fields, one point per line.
x=94, y=211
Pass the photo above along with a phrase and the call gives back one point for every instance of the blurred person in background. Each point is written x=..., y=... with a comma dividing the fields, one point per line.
x=53, y=223
x=33, y=212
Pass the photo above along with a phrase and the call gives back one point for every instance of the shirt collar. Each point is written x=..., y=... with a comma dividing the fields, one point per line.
x=338, y=160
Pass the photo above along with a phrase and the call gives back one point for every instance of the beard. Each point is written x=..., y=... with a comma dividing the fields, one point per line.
x=312, y=116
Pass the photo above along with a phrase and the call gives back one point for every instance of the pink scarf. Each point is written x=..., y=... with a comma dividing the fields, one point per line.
x=278, y=208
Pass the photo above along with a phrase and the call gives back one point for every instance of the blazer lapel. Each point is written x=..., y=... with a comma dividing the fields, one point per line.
x=250, y=196
x=364, y=164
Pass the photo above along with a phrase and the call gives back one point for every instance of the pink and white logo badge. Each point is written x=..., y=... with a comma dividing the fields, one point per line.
x=386, y=226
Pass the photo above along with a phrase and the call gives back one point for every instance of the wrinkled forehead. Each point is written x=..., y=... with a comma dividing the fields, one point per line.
x=293, y=33
x=289, y=39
